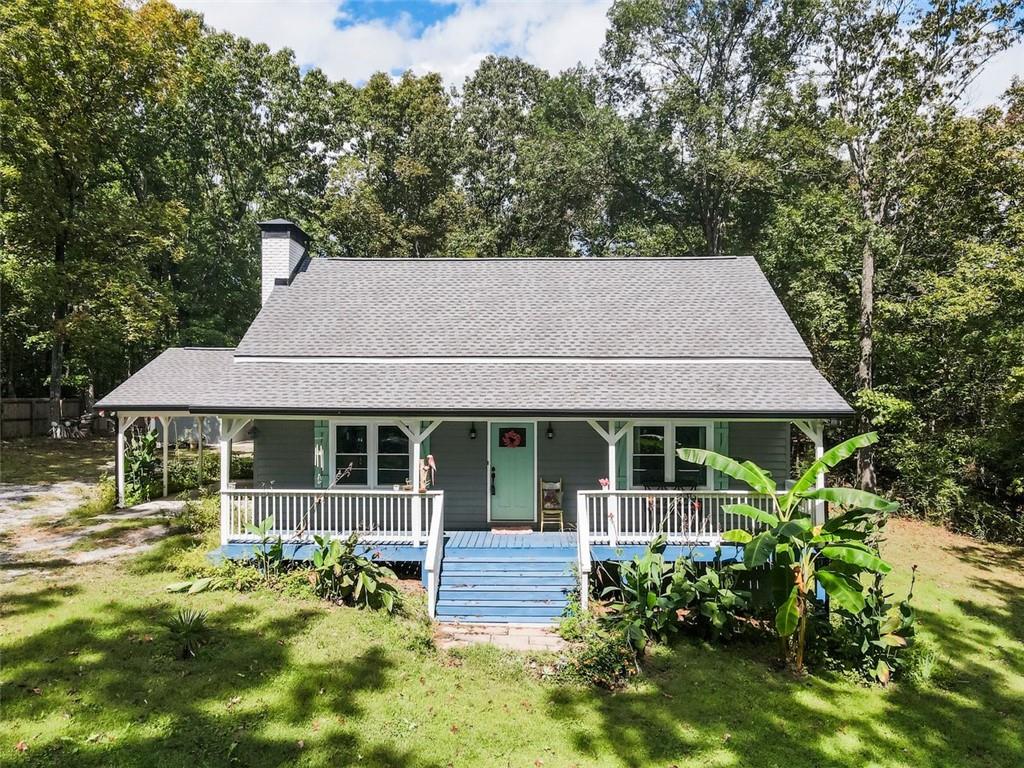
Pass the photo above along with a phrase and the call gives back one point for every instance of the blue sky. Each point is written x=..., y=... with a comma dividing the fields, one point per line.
x=355, y=38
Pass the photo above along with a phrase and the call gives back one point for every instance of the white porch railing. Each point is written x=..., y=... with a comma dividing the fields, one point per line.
x=685, y=517
x=399, y=517
x=434, y=554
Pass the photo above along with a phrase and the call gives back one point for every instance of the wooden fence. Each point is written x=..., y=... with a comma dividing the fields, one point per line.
x=29, y=416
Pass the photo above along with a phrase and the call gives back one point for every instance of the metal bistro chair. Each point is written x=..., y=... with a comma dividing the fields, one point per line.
x=551, y=512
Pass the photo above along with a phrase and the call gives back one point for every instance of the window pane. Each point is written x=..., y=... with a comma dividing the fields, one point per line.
x=687, y=473
x=352, y=477
x=392, y=440
x=394, y=462
x=350, y=468
x=648, y=470
x=649, y=440
x=351, y=439
x=386, y=477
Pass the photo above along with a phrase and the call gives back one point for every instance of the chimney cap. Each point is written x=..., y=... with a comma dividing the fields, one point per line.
x=289, y=227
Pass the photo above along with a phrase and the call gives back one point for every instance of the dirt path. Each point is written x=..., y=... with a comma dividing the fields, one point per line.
x=38, y=535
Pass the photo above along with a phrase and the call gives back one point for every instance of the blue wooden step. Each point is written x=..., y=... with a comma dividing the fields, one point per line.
x=512, y=579
x=494, y=592
x=480, y=565
x=509, y=555
x=474, y=619
x=503, y=610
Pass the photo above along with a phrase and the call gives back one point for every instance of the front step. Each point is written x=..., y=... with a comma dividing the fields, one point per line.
x=505, y=584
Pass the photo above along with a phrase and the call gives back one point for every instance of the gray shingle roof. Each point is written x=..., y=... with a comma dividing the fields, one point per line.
x=721, y=307
x=724, y=344
x=173, y=381
x=211, y=383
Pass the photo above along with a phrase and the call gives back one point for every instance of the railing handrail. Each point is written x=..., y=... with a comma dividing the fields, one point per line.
x=679, y=492
x=327, y=492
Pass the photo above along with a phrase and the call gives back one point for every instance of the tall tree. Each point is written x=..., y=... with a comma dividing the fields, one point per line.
x=79, y=80
x=393, y=194
x=700, y=80
x=891, y=69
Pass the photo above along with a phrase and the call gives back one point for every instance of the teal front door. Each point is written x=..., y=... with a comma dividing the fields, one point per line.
x=512, y=471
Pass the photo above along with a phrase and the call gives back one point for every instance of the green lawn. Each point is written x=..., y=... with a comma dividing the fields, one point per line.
x=45, y=460
x=89, y=679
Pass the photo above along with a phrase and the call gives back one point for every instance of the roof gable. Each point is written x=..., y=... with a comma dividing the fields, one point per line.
x=511, y=308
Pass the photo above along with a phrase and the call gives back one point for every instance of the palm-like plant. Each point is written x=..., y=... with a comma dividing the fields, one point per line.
x=189, y=630
x=833, y=554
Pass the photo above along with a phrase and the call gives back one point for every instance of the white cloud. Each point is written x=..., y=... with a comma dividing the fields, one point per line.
x=552, y=35
x=995, y=78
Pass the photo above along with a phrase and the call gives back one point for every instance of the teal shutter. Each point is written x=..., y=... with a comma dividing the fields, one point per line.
x=425, y=445
x=321, y=445
x=721, y=480
x=622, y=461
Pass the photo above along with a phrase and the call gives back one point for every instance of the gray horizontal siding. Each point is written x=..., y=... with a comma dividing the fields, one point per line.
x=765, y=443
x=461, y=474
x=577, y=455
x=283, y=453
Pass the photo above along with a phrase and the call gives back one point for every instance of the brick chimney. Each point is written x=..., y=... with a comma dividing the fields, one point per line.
x=284, y=245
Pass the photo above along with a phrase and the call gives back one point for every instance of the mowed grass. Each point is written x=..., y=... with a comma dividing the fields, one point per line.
x=91, y=678
x=45, y=460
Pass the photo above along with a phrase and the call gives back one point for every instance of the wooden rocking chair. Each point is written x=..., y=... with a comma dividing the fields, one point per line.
x=551, y=504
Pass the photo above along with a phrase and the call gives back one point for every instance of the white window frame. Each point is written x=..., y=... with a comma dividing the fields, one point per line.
x=372, y=441
x=669, y=427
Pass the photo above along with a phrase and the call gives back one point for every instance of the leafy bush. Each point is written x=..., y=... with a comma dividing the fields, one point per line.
x=875, y=639
x=719, y=603
x=140, y=465
x=596, y=657
x=798, y=554
x=268, y=552
x=101, y=500
x=343, y=576
x=183, y=470
x=201, y=514
x=188, y=629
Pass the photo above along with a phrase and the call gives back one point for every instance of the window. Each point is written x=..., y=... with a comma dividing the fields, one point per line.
x=654, y=462
x=648, y=456
x=392, y=456
x=689, y=475
x=352, y=454
x=370, y=455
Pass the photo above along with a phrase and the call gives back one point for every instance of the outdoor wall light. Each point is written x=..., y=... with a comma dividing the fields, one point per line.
x=551, y=432
x=472, y=431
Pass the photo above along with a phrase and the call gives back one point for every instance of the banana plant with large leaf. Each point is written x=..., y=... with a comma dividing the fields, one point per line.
x=834, y=553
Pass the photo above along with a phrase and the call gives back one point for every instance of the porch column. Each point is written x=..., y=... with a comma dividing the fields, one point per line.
x=199, y=459
x=815, y=432
x=165, y=423
x=225, y=479
x=123, y=422
x=417, y=432
x=611, y=436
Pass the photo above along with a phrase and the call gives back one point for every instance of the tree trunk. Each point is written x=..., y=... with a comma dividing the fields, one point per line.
x=866, y=363
x=57, y=344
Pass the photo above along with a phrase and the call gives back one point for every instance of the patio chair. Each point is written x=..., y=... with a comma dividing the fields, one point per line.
x=551, y=512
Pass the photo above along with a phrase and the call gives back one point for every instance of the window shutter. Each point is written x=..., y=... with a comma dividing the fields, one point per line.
x=425, y=445
x=721, y=481
x=321, y=444
x=622, y=461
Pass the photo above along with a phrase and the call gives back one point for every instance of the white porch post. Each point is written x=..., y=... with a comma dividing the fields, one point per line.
x=815, y=432
x=199, y=460
x=417, y=503
x=165, y=423
x=225, y=479
x=417, y=433
x=123, y=423
x=611, y=436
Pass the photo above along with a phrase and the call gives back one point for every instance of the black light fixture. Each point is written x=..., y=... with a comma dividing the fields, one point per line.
x=551, y=432
x=472, y=431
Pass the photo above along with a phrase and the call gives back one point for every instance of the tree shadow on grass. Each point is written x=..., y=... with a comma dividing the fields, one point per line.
x=698, y=706
x=119, y=673
x=25, y=603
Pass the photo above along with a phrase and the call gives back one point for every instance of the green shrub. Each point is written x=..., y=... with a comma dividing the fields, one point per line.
x=183, y=470
x=201, y=514
x=596, y=657
x=140, y=465
x=189, y=631
x=343, y=576
x=101, y=500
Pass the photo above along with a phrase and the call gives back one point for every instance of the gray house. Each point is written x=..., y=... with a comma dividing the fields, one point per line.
x=549, y=393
